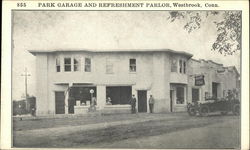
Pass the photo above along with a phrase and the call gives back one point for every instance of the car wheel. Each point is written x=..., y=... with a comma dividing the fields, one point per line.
x=236, y=110
x=192, y=112
x=204, y=111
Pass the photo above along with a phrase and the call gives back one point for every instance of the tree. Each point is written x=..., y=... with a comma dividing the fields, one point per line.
x=228, y=39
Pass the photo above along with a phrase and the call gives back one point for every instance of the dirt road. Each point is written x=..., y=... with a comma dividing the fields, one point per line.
x=138, y=131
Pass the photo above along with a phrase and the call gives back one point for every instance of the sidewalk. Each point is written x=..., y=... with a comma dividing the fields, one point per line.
x=58, y=131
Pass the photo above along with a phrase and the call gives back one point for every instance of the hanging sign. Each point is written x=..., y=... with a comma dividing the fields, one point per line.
x=199, y=80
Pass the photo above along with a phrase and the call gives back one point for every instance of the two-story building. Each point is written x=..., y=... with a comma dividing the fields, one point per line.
x=66, y=77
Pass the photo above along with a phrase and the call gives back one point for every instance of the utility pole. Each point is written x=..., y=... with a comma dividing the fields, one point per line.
x=25, y=74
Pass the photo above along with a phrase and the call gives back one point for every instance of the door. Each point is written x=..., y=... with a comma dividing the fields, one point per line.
x=214, y=89
x=195, y=95
x=142, y=101
x=171, y=100
x=60, y=103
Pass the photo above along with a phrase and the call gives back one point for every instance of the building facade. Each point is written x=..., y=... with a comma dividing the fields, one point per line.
x=68, y=80
x=215, y=80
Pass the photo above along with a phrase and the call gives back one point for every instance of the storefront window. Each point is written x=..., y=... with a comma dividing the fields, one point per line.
x=180, y=95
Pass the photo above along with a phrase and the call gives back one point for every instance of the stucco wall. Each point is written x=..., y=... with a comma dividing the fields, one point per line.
x=42, y=84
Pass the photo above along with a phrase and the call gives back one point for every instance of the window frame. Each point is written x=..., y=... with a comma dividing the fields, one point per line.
x=184, y=66
x=132, y=66
x=67, y=65
x=109, y=64
x=58, y=64
x=180, y=66
x=76, y=65
x=87, y=66
x=174, y=66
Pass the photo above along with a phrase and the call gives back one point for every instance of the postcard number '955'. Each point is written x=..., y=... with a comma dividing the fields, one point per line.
x=21, y=4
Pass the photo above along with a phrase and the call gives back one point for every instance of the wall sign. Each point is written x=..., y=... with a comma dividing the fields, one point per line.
x=199, y=80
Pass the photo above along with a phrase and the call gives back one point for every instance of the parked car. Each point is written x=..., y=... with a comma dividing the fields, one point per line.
x=214, y=105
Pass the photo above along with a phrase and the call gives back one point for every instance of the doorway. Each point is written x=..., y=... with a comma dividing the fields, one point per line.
x=171, y=100
x=195, y=95
x=142, y=101
x=59, y=102
x=215, y=89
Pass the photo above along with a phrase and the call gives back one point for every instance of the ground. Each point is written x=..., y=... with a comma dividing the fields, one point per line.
x=172, y=130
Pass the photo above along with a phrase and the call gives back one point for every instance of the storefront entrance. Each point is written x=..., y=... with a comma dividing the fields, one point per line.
x=79, y=93
x=215, y=89
x=142, y=101
x=195, y=95
x=59, y=102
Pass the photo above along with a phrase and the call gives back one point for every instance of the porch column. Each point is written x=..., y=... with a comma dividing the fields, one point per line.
x=101, y=96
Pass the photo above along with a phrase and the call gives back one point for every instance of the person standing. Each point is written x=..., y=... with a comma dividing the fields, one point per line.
x=151, y=103
x=133, y=104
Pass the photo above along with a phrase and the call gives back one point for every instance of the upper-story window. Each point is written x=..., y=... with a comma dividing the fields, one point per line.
x=87, y=67
x=76, y=64
x=184, y=67
x=109, y=66
x=132, y=65
x=67, y=64
x=58, y=66
x=180, y=66
x=174, y=65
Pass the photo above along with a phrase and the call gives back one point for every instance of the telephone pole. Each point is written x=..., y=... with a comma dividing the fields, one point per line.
x=25, y=74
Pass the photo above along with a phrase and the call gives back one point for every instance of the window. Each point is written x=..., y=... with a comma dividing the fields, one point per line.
x=76, y=64
x=109, y=67
x=132, y=65
x=87, y=65
x=174, y=65
x=180, y=95
x=180, y=66
x=184, y=67
x=67, y=64
x=58, y=67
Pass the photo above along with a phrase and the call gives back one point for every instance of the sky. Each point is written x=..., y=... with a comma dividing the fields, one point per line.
x=45, y=30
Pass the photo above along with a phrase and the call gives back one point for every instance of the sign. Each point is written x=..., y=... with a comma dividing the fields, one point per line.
x=91, y=91
x=199, y=80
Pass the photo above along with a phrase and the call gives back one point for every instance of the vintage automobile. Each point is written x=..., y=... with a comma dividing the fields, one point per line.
x=214, y=105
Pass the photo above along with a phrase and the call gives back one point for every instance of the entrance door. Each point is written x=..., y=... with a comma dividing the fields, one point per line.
x=142, y=101
x=60, y=104
x=214, y=89
x=171, y=100
x=195, y=95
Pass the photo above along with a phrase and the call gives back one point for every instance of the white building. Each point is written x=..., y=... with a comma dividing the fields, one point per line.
x=65, y=78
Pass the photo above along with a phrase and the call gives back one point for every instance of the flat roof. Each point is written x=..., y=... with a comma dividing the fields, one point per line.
x=34, y=52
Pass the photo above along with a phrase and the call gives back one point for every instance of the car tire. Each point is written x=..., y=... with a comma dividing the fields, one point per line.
x=204, y=111
x=192, y=112
x=236, y=110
